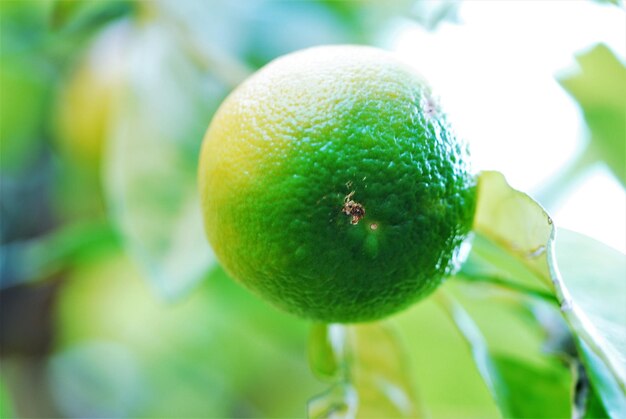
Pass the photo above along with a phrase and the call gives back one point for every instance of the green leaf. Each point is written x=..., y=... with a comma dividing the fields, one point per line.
x=485, y=365
x=367, y=366
x=594, y=274
x=75, y=15
x=594, y=408
x=599, y=87
x=535, y=392
x=498, y=312
x=604, y=382
x=513, y=230
x=150, y=175
x=521, y=387
x=489, y=262
x=438, y=357
x=524, y=234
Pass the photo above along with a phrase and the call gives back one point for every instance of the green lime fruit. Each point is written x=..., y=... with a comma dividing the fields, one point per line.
x=333, y=185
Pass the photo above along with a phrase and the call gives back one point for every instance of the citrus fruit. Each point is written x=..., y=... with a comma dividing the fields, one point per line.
x=89, y=96
x=333, y=185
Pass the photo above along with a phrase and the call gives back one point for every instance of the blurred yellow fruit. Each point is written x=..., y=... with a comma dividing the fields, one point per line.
x=87, y=101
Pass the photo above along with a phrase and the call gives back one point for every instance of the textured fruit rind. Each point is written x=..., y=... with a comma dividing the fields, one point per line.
x=297, y=140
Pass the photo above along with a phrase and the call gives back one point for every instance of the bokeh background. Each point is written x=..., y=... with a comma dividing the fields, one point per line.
x=112, y=304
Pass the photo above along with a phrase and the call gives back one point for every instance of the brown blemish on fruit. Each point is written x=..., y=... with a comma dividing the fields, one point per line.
x=353, y=209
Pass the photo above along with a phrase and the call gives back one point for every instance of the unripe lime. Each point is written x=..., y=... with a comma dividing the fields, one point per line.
x=333, y=185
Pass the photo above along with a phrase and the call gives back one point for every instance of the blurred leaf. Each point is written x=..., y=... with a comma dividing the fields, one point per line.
x=150, y=169
x=220, y=351
x=260, y=31
x=604, y=383
x=76, y=15
x=41, y=257
x=520, y=388
x=26, y=86
x=277, y=28
x=438, y=357
x=586, y=401
x=96, y=377
x=6, y=408
x=599, y=87
x=368, y=367
x=430, y=13
x=534, y=392
x=379, y=371
x=594, y=408
x=594, y=274
x=25, y=207
x=497, y=311
x=615, y=2
x=512, y=222
x=23, y=25
x=213, y=37
x=480, y=352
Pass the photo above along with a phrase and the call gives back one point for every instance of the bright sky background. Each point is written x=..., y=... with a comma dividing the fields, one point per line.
x=495, y=73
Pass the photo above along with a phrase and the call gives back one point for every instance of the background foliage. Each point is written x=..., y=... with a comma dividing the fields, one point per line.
x=113, y=305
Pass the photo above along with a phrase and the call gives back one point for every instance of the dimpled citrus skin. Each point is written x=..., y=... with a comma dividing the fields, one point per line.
x=304, y=135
